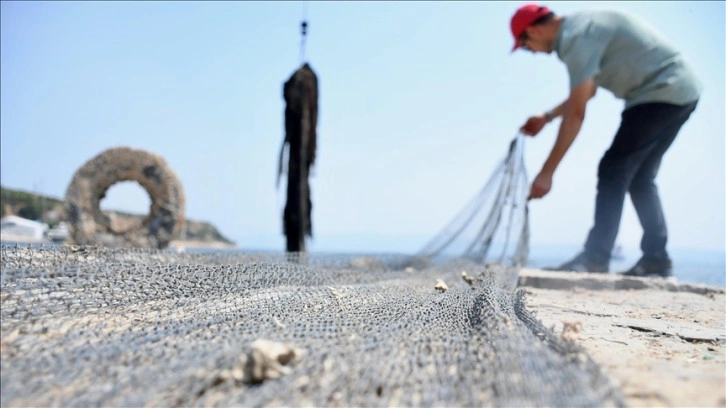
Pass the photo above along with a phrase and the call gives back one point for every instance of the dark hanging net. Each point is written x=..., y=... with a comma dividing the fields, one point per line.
x=301, y=117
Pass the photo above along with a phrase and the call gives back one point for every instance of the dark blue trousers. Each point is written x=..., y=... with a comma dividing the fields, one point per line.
x=631, y=165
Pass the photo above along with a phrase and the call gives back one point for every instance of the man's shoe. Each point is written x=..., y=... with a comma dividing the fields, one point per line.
x=581, y=263
x=651, y=268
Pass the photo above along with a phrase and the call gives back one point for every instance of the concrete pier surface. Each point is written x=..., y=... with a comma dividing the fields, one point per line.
x=662, y=343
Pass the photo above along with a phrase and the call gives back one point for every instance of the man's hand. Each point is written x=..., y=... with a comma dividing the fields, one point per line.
x=541, y=185
x=534, y=125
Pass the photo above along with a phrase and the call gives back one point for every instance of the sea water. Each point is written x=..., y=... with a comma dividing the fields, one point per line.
x=689, y=266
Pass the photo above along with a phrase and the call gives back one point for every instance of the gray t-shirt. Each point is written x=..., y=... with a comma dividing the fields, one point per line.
x=624, y=55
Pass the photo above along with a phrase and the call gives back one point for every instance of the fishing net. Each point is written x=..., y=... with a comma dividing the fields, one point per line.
x=493, y=226
x=90, y=326
x=301, y=118
x=84, y=326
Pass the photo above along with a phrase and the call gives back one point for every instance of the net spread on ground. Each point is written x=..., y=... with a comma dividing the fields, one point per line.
x=90, y=326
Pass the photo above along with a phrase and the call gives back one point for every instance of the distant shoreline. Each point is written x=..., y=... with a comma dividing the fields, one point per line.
x=183, y=244
x=176, y=244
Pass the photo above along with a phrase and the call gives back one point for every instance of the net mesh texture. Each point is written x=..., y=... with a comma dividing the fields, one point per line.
x=92, y=326
x=84, y=326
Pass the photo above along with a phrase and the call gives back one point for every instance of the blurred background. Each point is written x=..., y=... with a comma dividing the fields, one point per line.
x=418, y=103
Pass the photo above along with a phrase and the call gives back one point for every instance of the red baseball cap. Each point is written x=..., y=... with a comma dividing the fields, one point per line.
x=524, y=17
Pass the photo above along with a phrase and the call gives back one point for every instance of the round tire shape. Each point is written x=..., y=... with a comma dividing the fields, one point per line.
x=88, y=225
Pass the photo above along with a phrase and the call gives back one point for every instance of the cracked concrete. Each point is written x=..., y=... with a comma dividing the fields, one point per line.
x=663, y=343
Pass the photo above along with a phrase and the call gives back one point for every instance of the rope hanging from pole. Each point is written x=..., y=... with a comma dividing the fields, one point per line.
x=303, y=32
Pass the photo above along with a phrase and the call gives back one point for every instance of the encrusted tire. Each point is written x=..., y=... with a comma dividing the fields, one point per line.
x=89, y=226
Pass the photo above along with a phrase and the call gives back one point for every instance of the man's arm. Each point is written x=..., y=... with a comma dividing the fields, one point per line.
x=556, y=112
x=559, y=110
x=573, y=114
x=536, y=123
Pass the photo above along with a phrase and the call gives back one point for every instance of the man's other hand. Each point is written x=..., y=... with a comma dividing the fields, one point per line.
x=540, y=186
x=534, y=125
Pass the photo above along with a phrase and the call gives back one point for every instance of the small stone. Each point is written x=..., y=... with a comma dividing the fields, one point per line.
x=468, y=279
x=268, y=360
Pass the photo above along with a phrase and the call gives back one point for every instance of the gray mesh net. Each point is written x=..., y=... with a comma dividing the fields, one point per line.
x=494, y=225
x=85, y=326
x=90, y=326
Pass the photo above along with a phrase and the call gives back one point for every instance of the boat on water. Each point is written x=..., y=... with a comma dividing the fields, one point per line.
x=18, y=229
x=59, y=233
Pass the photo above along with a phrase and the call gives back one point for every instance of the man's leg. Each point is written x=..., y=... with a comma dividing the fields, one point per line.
x=629, y=148
x=646, y=131
x=644, y=192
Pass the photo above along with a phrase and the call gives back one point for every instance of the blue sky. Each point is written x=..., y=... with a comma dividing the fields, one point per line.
x=418, y=102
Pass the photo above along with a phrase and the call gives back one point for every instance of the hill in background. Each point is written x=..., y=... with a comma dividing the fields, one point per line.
x=51, y=211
